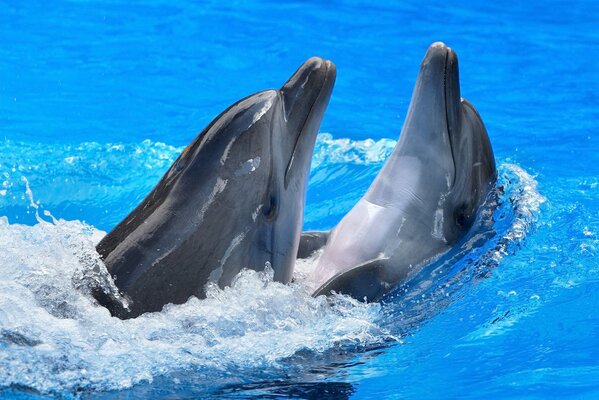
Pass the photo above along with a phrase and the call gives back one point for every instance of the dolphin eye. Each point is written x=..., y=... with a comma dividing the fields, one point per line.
x=460, y=219
x=270, y=208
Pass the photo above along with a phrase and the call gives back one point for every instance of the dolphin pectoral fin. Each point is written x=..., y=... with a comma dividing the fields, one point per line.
x=365, y=282
x=311, y=241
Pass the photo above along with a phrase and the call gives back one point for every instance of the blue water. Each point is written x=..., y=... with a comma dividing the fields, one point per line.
x=98, y=98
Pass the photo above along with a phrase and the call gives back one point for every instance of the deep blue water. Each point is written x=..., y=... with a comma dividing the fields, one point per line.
x=98, y=98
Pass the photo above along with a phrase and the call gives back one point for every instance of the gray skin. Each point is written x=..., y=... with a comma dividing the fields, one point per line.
x=423, y=201
x=233, y=199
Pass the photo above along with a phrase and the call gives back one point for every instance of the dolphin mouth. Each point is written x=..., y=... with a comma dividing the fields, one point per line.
x=315, y=110
x=446, y=94
x=452, y=100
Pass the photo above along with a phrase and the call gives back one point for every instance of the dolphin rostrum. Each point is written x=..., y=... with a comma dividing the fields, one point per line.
x=233, y=199
x=423, y=201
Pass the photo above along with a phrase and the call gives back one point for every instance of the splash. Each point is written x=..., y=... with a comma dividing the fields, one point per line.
x=47, y=321
x=54, y=338
x=342, y=151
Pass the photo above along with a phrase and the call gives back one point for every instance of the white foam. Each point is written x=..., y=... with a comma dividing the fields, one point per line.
x=47, y=323
x=332, y=151
x=53, y=337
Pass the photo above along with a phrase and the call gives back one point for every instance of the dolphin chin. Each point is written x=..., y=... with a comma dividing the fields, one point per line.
x=423, y=201
x=234, y=198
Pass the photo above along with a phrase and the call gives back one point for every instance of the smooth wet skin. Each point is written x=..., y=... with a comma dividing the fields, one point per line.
x=425, y=198
x=233, y=199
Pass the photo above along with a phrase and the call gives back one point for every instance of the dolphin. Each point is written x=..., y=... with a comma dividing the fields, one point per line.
x=233, y=199
x=423, y=201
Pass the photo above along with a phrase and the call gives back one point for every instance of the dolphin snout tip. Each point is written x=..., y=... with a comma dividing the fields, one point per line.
x=439, y=54
x=314, y=74
x=331, y=70
x=318, y=63
x=314, y=63
x=315, y=60
x=439, y=48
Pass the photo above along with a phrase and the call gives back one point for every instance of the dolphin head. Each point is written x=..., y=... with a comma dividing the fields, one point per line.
x=233, y=199
x=443, y=155
x=453, y=138
x=248, y=173
x=474, y=170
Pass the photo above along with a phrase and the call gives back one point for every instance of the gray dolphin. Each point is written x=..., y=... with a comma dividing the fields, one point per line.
x=233, y=199
x=423, y=201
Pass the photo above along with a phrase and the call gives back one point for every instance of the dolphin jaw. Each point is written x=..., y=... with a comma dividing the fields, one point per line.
x=451, y=92
x=328, y=78
x=433, y=116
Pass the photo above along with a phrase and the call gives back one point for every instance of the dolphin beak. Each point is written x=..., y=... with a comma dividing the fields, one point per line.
x=434, y=114
x=440, y=64
x=452, y=95
x=305, y=98
x=304, y=88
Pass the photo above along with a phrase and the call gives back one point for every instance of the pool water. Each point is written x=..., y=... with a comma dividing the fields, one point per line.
x=98, y=98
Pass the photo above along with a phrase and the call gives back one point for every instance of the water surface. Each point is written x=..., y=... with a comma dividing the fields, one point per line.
x=98, y=98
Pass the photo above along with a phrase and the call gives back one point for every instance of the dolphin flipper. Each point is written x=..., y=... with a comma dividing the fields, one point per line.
x=311, y=241
x=368, y=281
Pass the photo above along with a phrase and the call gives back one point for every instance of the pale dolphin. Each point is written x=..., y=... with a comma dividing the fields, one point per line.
x=233, y=199
x=423, y=201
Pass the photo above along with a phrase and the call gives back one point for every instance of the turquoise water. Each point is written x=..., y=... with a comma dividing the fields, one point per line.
x=98, y=98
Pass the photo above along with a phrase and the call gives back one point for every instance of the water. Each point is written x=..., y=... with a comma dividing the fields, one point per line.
x=98, y=98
